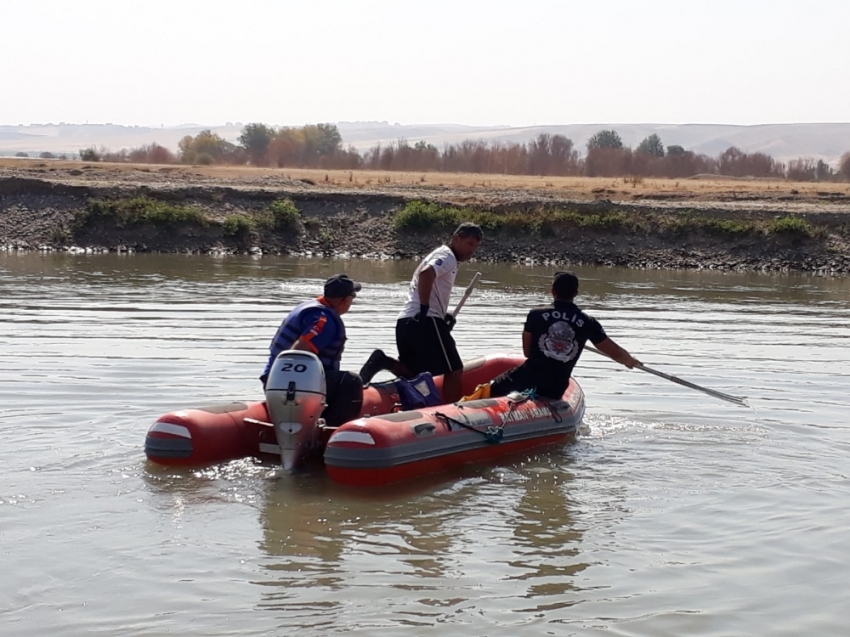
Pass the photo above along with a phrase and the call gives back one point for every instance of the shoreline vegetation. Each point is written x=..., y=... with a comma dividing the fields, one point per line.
x=724, y=224
x=605, y=155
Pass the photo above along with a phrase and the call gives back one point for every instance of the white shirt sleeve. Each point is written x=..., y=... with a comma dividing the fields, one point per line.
x=441, y=262
x=444, y=263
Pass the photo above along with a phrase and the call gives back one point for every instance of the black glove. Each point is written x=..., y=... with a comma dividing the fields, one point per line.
x=450, y=321
x=423, y=312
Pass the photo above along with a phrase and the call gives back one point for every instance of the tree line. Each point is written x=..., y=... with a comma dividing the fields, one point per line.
x=320, y=146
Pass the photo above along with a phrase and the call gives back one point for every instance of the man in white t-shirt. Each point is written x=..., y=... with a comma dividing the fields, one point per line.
x=423, y=330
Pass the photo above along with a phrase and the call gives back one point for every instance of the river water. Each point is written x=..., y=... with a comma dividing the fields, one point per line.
x=673, y=514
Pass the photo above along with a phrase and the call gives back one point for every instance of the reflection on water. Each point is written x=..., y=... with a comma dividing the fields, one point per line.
x=443, y=549
x=439, y=549
x=673, y=513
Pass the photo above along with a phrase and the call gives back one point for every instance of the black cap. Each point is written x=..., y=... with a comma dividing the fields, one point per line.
x=339, y=286
x=565, y=285
x=469, y=229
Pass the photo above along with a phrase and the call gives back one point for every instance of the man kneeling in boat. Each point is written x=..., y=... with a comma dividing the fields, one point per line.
x=424, y=325
x=316, y=326
x=552, y=341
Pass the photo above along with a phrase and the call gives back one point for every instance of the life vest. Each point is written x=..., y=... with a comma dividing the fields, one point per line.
x=482, y=391
x=290, y=331
x=417, y=392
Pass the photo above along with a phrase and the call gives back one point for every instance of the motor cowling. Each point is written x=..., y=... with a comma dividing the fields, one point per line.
x=295, y=398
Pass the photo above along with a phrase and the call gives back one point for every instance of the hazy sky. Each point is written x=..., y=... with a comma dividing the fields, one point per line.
x=518, y=63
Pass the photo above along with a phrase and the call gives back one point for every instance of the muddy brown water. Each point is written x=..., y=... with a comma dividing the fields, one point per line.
x=673, y=513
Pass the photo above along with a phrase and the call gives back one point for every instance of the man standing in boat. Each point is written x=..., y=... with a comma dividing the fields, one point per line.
x=553, y=340
x=316, y=326
x=423, y=330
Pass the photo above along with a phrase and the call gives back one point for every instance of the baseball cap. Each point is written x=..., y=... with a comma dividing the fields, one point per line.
x=340, y=286
x=565, y=285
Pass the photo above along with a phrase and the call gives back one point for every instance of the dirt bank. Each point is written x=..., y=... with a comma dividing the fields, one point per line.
x=44, y=205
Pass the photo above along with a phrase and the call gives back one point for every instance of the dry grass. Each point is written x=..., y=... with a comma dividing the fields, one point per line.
x=708, y=187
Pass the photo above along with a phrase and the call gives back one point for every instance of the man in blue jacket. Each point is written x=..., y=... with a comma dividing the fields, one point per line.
x=316, y=326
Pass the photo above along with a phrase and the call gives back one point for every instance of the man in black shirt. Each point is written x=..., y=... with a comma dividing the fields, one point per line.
x=552, y=341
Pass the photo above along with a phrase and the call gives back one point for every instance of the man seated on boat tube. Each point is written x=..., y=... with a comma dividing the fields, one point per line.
x=552, y=341
x=423, y=330
x=316, y=326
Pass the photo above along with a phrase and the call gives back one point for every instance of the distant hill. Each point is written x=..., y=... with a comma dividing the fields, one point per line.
x=781, y=141
x=71, y=138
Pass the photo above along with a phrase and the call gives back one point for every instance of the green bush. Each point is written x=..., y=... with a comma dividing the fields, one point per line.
x=422, y=216
x=419, y=215
x=728, y=226
x=139, y=211
x=492, y=222
x=606, y=220
x=790, y=225
x=689, y=221
x=238, y=225
x=264, y=220
x=285, y=214
x=59, y=236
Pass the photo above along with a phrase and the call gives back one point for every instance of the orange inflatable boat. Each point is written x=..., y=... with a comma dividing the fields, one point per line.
x=218, y=433
x=388, y=448
x=384, y=445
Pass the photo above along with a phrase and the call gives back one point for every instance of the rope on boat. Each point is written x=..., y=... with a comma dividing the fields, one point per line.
x=493, y=433
x=556, y=415
x=531, y=394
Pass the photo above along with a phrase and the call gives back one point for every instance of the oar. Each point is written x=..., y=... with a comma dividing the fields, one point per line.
x=466, y=294
x=685, y=383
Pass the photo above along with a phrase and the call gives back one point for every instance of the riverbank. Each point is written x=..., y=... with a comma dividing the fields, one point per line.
x=697, y=223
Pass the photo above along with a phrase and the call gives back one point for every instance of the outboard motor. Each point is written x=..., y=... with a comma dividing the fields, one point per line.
x=295, y=397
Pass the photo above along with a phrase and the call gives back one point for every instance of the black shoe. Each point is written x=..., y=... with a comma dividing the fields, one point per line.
x=376, y=362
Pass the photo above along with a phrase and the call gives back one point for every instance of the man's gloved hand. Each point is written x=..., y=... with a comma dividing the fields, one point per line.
x=423, y=312
x=450, y=321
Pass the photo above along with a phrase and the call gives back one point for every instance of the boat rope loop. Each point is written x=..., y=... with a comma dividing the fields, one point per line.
x=492, y=434
x=556, y=416
x=531, y=394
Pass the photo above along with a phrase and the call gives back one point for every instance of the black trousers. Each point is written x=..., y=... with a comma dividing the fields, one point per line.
x=426, y=346
x=344, y=398
x=523, y=377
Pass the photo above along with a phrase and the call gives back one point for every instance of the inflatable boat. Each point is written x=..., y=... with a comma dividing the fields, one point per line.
x=394, y=447
x=385, y=445
x=223, y=432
